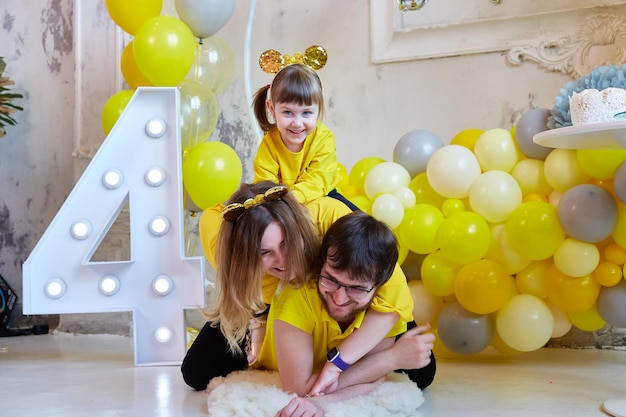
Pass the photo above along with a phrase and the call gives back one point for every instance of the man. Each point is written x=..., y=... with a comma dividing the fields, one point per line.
x=305, y=325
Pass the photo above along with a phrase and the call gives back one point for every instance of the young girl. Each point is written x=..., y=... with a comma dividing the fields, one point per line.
x=297, y=150
x=237, y=241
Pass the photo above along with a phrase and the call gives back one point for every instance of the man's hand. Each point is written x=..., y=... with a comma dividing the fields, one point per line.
x=412, y=350
x=301, y=407
x=326, y=381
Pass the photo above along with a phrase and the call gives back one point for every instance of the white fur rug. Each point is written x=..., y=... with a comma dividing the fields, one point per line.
x=253, y=393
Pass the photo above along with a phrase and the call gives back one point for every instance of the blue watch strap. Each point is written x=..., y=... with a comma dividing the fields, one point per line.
x=335, y=358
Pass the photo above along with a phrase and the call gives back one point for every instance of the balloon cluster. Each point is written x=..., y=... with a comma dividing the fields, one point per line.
x=504, y=242
x=164, y=52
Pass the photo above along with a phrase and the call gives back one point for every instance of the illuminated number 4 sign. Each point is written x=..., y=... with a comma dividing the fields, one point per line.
x=139, y=166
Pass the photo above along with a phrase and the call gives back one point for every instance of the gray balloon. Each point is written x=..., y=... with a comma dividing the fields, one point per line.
x=532, y=122
x=619, y=182
x=462, y=331
x=205, y=17
x=587, y=212
x=414, y=149
x=612, y=304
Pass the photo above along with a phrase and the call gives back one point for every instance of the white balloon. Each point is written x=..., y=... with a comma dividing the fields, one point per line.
x=406, y=196
x=205, y=17
x=388, y=209
x=451, y=170
x=386, y=177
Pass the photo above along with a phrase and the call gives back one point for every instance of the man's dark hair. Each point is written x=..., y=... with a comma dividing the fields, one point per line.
x=362, y=246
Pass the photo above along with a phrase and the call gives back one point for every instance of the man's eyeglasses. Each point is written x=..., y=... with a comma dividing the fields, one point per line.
x=233, y=211
x=354, y=292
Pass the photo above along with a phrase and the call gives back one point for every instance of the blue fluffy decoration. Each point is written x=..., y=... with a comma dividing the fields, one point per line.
x=600, y=78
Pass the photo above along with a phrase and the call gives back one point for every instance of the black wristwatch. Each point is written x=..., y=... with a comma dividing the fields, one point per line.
x=335, y=357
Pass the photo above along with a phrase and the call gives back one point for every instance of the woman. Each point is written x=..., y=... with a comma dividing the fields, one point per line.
x=260, y=241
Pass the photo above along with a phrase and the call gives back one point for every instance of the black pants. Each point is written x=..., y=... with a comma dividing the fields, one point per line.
x=423, y=377
x=209, y=357
x=335, y=194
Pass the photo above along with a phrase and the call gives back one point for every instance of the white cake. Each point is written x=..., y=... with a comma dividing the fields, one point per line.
x=593, y=106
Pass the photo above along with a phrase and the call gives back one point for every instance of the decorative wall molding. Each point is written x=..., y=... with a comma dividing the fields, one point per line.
x=601, y=40
x=534, y=30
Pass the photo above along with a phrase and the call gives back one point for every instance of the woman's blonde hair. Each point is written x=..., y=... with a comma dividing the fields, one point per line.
x=296, y=83
x=238, y=294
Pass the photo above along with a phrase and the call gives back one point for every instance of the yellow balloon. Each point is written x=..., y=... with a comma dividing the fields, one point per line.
x=562, y=170
x=499, y=345
x=533, y=229
x=500, y=250
x=482, y=286
x=615, y=253
x=424, y=192
x=525, y=323
x=467, y=138
x=464, y=237
x=529, y=174
x=452, y=205
x=362, y=202
x=575, y=258
x=114, y=107
x=426, y=306
x=588, y=320
x=419, y=228
x=495, y=149
x=131, y=72
x=344, y=177
x=619, y=232
x=212, y=171
x=130, y=15
x=571, y=294
x=350, y=191
x=438, y=274
x=600, y=163
x=608, y=274
x=359, y=171
x=532, y=279
x=164, y=50
x=494, y=195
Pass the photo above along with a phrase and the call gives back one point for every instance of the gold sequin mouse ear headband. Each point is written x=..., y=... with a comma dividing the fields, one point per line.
x=272, y=61
x=233, y=211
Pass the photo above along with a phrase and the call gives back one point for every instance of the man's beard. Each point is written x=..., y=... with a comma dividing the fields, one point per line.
x=346, y=319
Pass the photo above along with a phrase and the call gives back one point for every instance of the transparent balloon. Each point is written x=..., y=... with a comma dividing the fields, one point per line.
x=214, y=64
x=199, y=111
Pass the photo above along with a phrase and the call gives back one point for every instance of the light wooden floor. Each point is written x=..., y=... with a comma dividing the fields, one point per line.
x=67, y=375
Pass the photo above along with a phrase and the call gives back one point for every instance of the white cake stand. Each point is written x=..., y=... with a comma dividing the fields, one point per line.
x=611, y=135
